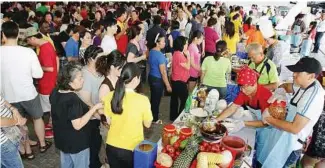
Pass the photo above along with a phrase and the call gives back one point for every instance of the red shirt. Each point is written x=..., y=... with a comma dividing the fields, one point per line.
x=245, y=28
x=123, y=40
x=259, y=101
x=210, y=39
x=179, y=73
x=84, y=14
x=47, y=58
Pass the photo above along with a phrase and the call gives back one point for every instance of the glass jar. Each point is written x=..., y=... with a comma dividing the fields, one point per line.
x=278, y=110
x=168, y=132
x=186, y=132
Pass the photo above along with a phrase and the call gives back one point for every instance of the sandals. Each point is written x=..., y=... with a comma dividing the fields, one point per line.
x=29, y=156
x=43, y=149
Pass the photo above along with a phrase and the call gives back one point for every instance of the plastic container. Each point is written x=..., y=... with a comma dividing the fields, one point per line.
x=168, y=132
x=145, y=154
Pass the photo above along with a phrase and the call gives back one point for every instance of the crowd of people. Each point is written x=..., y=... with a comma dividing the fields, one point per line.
x=86, y=64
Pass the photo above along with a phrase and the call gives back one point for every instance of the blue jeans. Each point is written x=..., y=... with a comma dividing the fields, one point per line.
x=10, y=156
x=292, y=159
x=156, y=91
x=76, y=160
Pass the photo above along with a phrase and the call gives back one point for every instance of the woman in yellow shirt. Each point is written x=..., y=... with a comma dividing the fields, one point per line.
x=127, y=112
x=231, y=37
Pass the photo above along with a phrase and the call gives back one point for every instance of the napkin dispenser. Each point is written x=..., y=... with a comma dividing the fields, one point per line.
x=145, y=154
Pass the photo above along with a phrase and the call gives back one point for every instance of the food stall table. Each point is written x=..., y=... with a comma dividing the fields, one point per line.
x=247, y=134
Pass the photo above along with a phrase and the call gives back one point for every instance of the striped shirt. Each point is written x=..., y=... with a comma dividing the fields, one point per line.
x=4, y=113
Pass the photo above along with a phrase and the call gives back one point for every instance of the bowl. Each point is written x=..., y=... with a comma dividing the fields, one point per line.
x=234, y=144
x=212, y=130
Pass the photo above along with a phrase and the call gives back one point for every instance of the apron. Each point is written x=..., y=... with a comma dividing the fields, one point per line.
x=280, y=144
x=296, y=38
x=260, y=136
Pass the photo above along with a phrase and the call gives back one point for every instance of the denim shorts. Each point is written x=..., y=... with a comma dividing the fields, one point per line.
x=76, y=160
x=10, y=156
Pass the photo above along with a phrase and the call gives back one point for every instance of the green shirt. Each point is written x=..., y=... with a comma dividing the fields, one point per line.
x=266, y=77
x=215, y=71
x=43, y=9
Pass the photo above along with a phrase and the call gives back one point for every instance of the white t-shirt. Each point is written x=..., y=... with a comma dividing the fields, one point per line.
x=108, y=44
x=310, y=106
x=19, y=65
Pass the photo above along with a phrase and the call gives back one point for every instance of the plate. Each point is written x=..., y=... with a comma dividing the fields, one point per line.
x=198, y=112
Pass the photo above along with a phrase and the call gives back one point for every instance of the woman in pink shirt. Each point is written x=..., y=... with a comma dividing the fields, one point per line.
x=180, y=75
x=197, y=38
x=211, y=37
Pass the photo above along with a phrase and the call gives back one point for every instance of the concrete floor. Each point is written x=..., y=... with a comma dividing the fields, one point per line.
x=51, y=159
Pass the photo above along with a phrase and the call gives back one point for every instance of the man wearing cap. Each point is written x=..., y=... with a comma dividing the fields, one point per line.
x=268, y=74
x=253, y=96
x=50, y=66
x=283, y=148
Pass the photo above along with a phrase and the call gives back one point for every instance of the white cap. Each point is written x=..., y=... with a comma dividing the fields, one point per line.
x=266, y=28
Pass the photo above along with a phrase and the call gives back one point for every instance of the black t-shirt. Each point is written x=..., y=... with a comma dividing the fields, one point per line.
x=66, y=107
x=62, y=37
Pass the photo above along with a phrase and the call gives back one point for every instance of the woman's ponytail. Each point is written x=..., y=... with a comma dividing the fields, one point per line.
x=117, y=100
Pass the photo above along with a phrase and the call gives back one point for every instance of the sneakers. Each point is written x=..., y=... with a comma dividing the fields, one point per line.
x=49, y=134
x=48, y=127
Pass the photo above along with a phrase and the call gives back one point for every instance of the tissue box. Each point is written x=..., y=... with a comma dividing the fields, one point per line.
x=145, y=154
